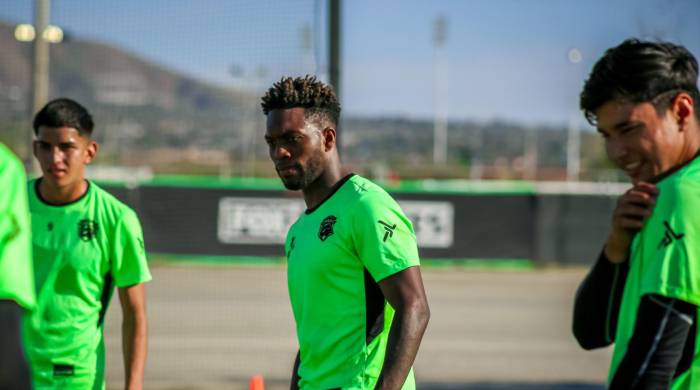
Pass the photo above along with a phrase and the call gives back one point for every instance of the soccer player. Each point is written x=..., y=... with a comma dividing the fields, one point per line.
x=353, y=269
x=16, y=277
x=644, y=290
x=85, y=242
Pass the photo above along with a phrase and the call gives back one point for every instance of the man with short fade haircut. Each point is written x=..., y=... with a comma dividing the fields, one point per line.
x=353, y=269
x=16, y=277
x=85, y=242
x=643, y=292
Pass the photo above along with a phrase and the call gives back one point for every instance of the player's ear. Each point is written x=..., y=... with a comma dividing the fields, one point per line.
x=91, y=151
x=328, y=137
x=682, y=109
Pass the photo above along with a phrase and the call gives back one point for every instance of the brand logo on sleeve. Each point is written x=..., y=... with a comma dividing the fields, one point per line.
x=291, y=246
x=388, y=230
x=669, y=236
x=326, y=229
x=87, y=229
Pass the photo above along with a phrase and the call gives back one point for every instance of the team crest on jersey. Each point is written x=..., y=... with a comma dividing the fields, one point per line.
x=326, y=229
x=87, y=229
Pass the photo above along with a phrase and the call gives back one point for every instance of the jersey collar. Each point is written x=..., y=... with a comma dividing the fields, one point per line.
x=47, y=203
x=335, y=189
x=675, y=169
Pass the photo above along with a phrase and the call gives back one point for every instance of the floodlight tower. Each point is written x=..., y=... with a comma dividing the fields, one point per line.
x=41, y=34
x=40, y=70
x=440, y=91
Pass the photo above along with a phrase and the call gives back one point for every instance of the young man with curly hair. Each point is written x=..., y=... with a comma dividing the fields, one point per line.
x=353, y=270
x=643, y=292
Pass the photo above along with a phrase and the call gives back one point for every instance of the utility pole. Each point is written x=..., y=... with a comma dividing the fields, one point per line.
x=306, y=43
x=334, y=31
x=530, y=154
x=573, y=146
x=334, y=57
x=40, y=70
x=440, y=92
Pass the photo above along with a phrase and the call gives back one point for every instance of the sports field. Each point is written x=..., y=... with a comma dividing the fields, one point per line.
x=212, y=327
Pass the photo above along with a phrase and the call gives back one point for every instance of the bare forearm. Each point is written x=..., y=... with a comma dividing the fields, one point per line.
x=405, y=336
x=134, y=345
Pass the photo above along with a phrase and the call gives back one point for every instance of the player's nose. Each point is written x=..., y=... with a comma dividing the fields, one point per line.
x=280, y=153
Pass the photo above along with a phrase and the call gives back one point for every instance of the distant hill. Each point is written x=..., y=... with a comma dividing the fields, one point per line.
x=113, y=82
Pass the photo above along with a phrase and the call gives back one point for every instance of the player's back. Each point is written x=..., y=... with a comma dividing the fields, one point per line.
x=15, y=249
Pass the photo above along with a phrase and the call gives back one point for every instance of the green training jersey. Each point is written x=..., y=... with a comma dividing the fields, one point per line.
x=337, y=253
x=16, y=281
x=665, y=260
x=81, y=251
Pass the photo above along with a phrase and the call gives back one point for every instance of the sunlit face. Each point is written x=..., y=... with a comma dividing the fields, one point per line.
x=62, y=154
x=638, y=140
x=295, y=146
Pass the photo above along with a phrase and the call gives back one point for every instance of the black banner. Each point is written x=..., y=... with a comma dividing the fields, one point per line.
x=547, y=228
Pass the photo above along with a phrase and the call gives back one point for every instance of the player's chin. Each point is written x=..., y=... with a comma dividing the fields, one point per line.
x=64, y=181
x=292, y=184
x=53, y=180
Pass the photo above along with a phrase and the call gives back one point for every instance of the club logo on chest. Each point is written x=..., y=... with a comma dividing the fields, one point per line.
x=326, y=229
x=87, y=229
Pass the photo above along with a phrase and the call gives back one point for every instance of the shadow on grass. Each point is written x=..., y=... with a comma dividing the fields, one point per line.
x=509, y=386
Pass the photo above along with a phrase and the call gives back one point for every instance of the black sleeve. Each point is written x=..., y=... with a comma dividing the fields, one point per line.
x=14, y=372
x=597, y=303
x=294, y=384
x=655, y=349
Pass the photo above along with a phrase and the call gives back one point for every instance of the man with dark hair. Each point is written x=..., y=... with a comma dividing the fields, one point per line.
x=354, y=277
x=85, y=242
x=643, y=292
x=16, y=277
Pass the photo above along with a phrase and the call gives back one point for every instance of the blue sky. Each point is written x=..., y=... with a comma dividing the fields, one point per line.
x=506, y=59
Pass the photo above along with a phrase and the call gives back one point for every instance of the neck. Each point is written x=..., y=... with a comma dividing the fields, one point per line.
x=319, y=190
x=692, y=147
x=62, y=195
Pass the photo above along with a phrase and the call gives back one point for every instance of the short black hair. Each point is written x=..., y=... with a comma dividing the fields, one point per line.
x=316, y=97
x=641, y=71
x=64, y=112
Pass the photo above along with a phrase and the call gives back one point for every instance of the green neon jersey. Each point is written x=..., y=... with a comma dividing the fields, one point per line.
x=337, y=253
x=665, y=260
x=16, y=282
x=81, y=251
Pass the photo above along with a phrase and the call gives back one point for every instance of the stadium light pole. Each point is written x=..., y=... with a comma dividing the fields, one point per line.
x=40, y=71
x=573, y=149
x=439, y=92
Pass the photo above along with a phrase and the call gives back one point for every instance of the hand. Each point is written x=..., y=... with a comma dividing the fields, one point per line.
x=633, y=209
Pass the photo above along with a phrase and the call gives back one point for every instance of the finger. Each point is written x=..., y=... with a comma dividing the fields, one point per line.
x=631, y=223
x=638, y=197
x=632, y=210
x=648, y=188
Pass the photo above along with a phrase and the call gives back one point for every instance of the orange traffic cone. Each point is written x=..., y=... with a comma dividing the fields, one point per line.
x=256, y=383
